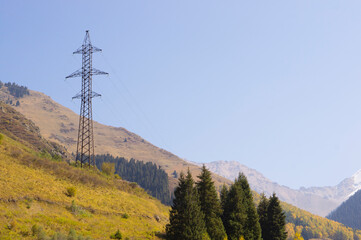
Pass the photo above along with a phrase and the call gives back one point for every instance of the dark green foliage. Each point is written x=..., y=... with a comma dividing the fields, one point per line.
x=147, y=175
x=116, y=235
x=36, y=229
x=223, y=195
x=70, y=191
x=210, y=205
x=276, y=220
x=17, y=90
x=240, y=217
x=349, y=212
x=262, y=214
x=186, y=220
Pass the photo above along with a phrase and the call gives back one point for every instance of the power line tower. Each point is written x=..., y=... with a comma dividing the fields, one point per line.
x=85, y=144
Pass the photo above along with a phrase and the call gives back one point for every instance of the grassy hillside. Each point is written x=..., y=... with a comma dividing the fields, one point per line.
x=33, y=196
x=59, y=124
x=312, y=226
x=34, y=186
x=315, y=227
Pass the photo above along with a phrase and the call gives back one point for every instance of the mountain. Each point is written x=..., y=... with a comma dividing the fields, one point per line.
x=314, y=227
x=42, y=196
x=59, y=124
x=317, y=200
x=349, y=212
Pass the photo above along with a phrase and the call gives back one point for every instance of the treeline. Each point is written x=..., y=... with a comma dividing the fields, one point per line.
x=198, y=214
x=147, y=175
x=15, y=90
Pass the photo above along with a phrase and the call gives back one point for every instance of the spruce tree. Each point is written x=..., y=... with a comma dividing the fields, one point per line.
x=186, y=220
x=210, y=205
x=262, y=214
x=276, y=220
x=253, y=228
x=240, y=217
x=223, y=195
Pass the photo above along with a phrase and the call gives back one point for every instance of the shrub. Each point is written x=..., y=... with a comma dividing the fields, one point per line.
x=133, y=184
x=38, y=232
x=70, y=191
x=57, y=157
x=15, y=152
x=45, y=154
x=72, y=234
x=108, y=169
x=116, y=235
x=125, y=215
x=28, y=203
x=59, y=236
x=11, y=225
x=78, y=210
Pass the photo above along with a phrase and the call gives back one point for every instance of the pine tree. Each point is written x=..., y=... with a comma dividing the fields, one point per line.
x=223, y=195
x=262, y=214
x=253, y=228
x=210, y=205
x=186, y=220
x=276, y=220
x=240, y=217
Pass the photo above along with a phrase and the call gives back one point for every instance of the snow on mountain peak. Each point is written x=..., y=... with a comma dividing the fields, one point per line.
x=357, y=177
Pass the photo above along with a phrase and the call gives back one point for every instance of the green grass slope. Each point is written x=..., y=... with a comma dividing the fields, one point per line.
x=34, y=203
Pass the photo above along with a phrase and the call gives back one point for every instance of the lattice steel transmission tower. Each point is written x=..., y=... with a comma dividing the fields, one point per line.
x=85, y=144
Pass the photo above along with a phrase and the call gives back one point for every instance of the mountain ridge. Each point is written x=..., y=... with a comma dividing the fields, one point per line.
x=59, y=124
x=317, y=200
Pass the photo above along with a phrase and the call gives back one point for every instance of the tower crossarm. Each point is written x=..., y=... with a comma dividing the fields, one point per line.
x=94, y=71
x=86, y=47
x=77, y=73
x=98, y=72
x=93, y=95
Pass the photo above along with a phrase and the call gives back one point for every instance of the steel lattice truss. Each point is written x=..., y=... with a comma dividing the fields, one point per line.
x=85, y=144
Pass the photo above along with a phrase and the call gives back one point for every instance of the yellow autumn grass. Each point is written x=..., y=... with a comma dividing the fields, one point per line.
x=59, y=124
x=31, y=194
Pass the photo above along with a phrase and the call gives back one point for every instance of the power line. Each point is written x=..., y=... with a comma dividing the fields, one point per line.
x=143, y=116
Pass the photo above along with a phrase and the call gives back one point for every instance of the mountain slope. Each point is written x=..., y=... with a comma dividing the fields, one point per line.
x=349, y=212
x=318, y=200
x=59, y=124
x=315, y=227
x=15, y=125
x=34, y=194
x=34, y=201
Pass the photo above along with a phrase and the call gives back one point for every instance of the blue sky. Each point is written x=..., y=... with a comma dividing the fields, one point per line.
x=275, y=85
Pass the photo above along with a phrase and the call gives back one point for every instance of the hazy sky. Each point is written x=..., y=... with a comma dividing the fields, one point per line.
x=275, y=85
